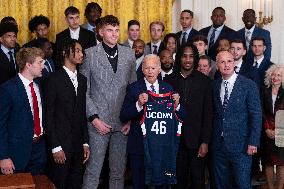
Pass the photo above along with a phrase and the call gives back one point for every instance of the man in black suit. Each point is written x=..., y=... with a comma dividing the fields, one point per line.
x=8, y=38
x=217, y=30
x=86, y=38
x=156, y=45
x=66, y=121
x=187, y=33
x=196, y=96
x=139, y=47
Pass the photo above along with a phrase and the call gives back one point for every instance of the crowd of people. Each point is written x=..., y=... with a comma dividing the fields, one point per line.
x=69, y=106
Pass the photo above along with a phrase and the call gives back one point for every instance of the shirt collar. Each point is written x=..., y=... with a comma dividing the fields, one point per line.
x=188, y=30
x=251, y=30
x=6, y=50
x=239, y=65
x=90, y=27
x=232, y=79
x=130, y=42
x=259, y=60
x=76, y=32
x=158, y=44
x=70, y=73
x=218, y=29
x=25, y=81
x=156, y=84
x=163, y=73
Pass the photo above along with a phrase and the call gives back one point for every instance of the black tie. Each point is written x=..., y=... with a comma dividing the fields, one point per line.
x=183, y=41
x=155, y=51
x=11, y=58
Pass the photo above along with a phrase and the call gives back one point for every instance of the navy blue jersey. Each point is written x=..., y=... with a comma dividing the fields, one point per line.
x=161, y=130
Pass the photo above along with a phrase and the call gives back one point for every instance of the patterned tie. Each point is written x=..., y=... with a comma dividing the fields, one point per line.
x=248, y=38
x=226, y=95
x=37, y=129
x=255, y=65
x=153, y=89
x=236, y=68
x=212, y=38
x=11, y=58
x=183, y=41
x=155, y=51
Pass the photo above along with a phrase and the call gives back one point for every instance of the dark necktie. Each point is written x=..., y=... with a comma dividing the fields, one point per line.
x=226, y=95
x=11, y=58
x=49, y=68
x=37, y=129
x=212, y=38
x=155, y=51
x=153, y=89
x=255, y=64
x=236, y=68
x=183, y=41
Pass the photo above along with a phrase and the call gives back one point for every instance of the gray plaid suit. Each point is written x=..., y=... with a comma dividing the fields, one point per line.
x=105, y=94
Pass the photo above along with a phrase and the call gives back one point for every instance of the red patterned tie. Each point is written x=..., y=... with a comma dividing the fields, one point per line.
x=37, y=129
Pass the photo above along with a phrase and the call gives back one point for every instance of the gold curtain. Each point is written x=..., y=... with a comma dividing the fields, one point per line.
x=145, y=11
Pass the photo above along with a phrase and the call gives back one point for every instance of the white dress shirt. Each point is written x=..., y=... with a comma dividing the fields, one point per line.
x=90, y=27
x=130, y=42
x=217, y=32
x=258, y=61
x=231, y=82
x=157, y=44
x=26, y=83
x=75, y=34
x=188, y=30
x=73, y=77
x=250, y=34
x=238, y=66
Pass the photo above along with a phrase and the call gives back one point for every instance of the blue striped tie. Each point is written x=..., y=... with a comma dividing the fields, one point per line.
x=153, y=89
x=212, y=38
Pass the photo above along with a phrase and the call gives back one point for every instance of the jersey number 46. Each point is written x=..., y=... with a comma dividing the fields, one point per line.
x=159, y=127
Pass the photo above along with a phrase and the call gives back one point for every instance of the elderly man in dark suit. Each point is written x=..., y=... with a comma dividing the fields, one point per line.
x=22, y=143
x=236, y=125
x=109, y=68
x=251, y=31
x=196, y=96
x=217, y=31
x=66, y=122
x=135, y=98
x=86, y=38
x=8, y=38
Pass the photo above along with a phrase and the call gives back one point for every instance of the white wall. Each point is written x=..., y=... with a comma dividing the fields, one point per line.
x=234, y=9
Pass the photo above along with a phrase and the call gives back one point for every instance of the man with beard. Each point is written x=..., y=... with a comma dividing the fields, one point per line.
x=167, y=63
x=251, y=31
x=138, y=47
x=196, y=96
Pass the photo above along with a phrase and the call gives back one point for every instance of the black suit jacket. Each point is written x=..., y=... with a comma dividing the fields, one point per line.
x=148, y=48
x=66, y=122
x=226, y=32
x=86, y=38
x=191, y=35
x=7, y=70
x=199, y=107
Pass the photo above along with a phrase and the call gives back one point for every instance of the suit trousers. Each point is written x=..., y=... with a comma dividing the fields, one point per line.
x=137, y=170
x=231, y=169
x=70, y=174
x=187, y=161
x=117, y=159
x=37, y=161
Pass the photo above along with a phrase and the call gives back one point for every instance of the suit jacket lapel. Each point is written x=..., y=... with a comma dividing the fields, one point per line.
x=217, y=95
x=103, y=61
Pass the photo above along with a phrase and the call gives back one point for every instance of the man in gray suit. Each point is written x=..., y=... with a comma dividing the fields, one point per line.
x=109, y=68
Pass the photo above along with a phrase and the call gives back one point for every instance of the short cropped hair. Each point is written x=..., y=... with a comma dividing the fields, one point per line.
x=71, y=10
x=38, y=20
x=8, y=27
x=110, y=20
x=91, y=6
x=28, y=55
x=268, y=74
x=139, y=41
x=152, y=56
x=133, y=22
x=188, y=11
x=219, y=8
x=200, y=38
x=258, y=38
x=205, y=57
x=168, y=36
x=158, y=23
x=238, y=41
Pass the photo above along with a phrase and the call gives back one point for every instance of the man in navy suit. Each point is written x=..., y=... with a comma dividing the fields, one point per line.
x=132, y=108
x=8, y=38
x=236, y=125
x=251, y=31
x=22, y=145
x=187, y=33
x=259, y=61
x=216, y=31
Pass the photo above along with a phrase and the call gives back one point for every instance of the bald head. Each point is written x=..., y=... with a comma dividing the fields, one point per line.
x=225, y=64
